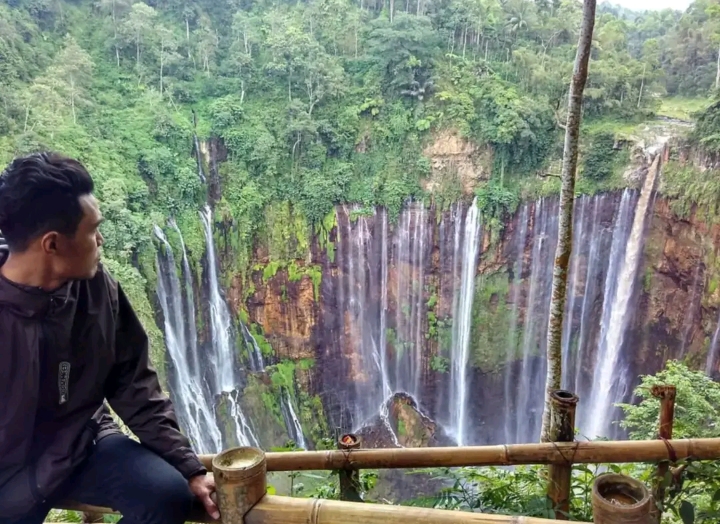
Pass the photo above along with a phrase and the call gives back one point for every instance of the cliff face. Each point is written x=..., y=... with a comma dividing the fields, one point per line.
x=452, y=315
x=396, y=286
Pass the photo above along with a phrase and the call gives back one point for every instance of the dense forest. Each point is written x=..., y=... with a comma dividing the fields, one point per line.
x=319, y=102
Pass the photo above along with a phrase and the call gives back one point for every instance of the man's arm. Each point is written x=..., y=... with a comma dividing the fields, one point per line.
x=133, y=391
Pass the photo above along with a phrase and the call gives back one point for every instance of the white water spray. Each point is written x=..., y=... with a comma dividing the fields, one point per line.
x=462, y=325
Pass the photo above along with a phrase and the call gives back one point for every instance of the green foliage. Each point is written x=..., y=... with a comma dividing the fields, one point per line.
x=696, y=404
x=692, y=189
x=599, y=157
x=707, y=129
x=135, y=287
x=693, y=490
x=490, y=322
x=440, y=364
x=496, y=202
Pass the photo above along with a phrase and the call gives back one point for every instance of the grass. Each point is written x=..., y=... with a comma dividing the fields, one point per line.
x=682, y=108
x=620, y=128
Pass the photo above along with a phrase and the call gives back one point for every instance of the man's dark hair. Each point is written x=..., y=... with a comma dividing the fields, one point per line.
x=40, y=193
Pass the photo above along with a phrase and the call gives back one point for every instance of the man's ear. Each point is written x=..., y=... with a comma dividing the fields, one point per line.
x=49, y=242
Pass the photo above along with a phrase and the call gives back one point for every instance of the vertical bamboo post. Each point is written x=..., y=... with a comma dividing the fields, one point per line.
x=241, y=481
x=666, y=394
x=562, y=429
x=349, y=478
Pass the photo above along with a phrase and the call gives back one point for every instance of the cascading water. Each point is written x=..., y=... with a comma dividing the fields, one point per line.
x=257, y=363
x=384, y=295
x=513, y=339
x=528, y=402
x=698, y=285
x=193, y=401
x=602, y=226
x=411, y=243
x=222, y=355
x=459, y=355
x=711, y=364
x=291, y=420
x=609, y=381
x=198, y=157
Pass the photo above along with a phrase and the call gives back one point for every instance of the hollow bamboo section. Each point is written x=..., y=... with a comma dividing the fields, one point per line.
x=562, y=429
x=597, y=452
x=287, y=510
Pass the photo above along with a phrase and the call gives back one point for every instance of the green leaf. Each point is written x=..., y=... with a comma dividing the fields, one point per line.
x=687, y=512
x=716, y=495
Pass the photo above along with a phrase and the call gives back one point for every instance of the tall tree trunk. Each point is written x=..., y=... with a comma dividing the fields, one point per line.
x=717, y=74
x=642, y=85
x=567, y=193
x=187, y=35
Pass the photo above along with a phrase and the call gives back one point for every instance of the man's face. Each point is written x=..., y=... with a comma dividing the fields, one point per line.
x=78, y=256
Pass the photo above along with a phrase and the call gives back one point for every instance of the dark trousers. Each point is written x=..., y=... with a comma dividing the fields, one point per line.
x=129, y=478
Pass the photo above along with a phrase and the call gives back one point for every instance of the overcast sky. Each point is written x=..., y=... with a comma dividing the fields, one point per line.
x=641, y=5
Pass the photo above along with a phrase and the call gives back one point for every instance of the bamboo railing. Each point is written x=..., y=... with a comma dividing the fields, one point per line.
x=348, y=459
x=595, y=452
x=274, y=509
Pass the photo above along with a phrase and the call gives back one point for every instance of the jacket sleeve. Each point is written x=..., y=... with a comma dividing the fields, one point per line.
x=134, y=392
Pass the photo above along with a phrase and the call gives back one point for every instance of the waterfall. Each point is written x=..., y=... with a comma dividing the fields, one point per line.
x=609, y=382
x=698, y=286
x=412, y=242
x=711, y=362
x=291, y=420
x=574, y=283
x=596, y=239
x=243, y=432
x=257, y=363
x=511, y=355
x=462, y=323
x=190, y=306
x=222, y=355
x=198, y=157
x=192, y=400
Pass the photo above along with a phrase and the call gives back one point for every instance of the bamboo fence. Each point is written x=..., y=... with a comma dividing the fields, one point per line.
x=289, y=510
x=595, y=452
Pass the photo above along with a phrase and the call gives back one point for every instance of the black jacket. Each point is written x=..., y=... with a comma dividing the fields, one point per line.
x=62, y=354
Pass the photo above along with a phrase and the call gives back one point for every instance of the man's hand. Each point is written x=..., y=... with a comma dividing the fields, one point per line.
x=202, y=487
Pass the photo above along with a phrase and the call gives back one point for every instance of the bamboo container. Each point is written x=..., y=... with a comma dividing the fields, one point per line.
x=287, y=510
x=349, y=479
x=619, y=499
x=241, y=480
x=596, y=452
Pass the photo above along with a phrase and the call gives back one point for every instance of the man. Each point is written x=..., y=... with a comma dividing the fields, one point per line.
x=69, y=340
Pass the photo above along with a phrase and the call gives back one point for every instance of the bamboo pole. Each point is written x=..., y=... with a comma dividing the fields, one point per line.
x=241, y=481
x=349, y=478
x=286, y=510
x=562, y=429
x=289, y=510
x=666, y=394
x=595, y=452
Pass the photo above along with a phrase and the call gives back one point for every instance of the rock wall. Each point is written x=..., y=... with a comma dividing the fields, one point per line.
x=676, y=315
